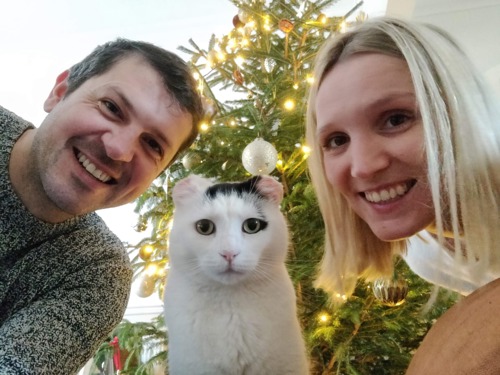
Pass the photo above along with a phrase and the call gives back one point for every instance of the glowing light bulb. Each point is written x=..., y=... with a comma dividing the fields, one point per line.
x=289, y=104
x=204, y=127
x=239, y=60
x=343, y=27
x=324, y=318
x=151, y=269
x=231, y=44
x=267, y=24
x=221, y=56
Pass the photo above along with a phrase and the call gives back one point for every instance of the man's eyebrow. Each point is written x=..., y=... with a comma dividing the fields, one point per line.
x=130, y=107
x=118, y=91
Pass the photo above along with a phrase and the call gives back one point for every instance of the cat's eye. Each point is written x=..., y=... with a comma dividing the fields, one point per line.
x=253, y=225
x=205, y=227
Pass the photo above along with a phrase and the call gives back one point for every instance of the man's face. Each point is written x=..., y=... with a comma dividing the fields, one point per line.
x=103, y=145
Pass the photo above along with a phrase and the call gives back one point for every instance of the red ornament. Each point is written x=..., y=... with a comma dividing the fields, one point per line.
x=285, y=25
x=238, y=77
x=117, y=360
x=237, y=23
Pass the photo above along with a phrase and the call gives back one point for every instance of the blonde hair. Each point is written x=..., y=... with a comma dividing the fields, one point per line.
x=461, y=122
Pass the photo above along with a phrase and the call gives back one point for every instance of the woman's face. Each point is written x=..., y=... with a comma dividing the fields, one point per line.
x=371, y=134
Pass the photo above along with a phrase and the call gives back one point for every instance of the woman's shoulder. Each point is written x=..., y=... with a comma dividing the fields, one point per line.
x=466, y=339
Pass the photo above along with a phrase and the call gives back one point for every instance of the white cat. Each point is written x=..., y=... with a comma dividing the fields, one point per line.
x=230, y=305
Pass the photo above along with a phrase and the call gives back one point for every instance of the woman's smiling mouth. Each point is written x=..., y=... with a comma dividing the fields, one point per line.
x=386, y=194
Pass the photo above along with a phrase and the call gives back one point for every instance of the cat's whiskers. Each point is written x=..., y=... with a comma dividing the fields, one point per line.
x=261, y=273
x=190, y=265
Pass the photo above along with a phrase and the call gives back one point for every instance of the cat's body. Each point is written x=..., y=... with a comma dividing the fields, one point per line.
x=229, y=302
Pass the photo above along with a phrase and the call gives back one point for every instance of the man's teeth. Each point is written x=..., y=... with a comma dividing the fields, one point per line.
x=92, y=169
x=386, y=194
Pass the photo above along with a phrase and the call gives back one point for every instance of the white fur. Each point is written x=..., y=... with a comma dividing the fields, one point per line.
x=231, y=323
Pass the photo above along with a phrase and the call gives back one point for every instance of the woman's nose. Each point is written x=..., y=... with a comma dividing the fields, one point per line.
x=369, y=156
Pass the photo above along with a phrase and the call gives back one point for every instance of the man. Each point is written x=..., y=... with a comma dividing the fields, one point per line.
x=115, y=121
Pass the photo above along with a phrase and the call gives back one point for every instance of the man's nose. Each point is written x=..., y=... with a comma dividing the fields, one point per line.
x=121, y=143
x=368, y=156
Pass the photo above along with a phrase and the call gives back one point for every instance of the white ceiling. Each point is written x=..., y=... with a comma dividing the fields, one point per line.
x=474, y=23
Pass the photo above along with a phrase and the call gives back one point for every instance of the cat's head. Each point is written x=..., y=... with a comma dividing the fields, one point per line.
x=228, y=232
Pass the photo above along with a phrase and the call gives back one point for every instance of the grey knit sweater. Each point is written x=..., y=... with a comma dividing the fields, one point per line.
x=63, y=287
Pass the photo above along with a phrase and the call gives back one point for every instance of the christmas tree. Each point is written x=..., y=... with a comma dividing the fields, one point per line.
x=254, y=83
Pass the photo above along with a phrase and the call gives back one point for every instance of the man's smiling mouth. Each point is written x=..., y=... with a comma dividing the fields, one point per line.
x=92, y=169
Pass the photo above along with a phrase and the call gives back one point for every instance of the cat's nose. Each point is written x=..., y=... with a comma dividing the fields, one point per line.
x=228, y=255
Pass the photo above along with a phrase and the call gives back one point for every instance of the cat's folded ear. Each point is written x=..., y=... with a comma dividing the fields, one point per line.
x=270, y=188
x=189, y=187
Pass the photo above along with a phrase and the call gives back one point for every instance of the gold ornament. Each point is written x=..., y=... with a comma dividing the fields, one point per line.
x=146, y=251
x=146, y=286
x=142, y=225
x=191, y=160
x=285, y=25
x=322, y=18
x=209, y=107
x=391, y=292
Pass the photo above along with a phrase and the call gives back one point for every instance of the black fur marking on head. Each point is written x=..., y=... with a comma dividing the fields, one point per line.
x=240, y=188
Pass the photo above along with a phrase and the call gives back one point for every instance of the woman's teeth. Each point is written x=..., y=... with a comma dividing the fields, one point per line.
x=386, y=194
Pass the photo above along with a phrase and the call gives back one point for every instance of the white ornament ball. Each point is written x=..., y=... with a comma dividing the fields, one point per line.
x=259, y=157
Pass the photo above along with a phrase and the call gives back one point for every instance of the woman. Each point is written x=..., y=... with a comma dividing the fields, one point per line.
x=406, y=158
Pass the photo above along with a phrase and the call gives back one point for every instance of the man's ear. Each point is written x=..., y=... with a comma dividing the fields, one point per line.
x=58, y=91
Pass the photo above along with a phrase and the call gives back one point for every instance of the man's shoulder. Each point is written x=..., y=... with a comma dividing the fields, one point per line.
x=11, y=126
x=92, y=232
x=8, y=118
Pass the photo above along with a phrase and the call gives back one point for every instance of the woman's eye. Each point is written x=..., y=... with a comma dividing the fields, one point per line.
x=336, y=141
x=205, y=227
x=253, y=225
x=397, y=119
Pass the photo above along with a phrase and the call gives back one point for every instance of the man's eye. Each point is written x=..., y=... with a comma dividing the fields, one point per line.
x=154, y=145
x=110, y=107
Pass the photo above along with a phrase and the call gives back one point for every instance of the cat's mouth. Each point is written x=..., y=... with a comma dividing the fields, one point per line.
x=231, y=270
